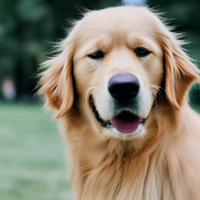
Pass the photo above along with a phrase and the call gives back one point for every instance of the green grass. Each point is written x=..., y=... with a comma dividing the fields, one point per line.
x=32, y=155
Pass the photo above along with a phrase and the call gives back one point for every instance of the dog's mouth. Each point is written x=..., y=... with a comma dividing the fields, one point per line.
x=125, y=122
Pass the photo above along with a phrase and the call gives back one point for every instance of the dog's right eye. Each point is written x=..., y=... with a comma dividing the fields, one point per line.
x=97, y=55
x=142, y=52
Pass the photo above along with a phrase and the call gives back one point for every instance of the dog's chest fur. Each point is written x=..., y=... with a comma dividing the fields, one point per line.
x=111, y=169
x=124, y=177
x=130, y=178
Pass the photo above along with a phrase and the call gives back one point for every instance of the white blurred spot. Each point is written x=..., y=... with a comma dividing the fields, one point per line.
x=82, y=20
x=134, y=2
x=8, y=89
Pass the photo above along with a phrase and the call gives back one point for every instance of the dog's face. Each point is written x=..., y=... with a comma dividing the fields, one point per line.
x=117, y=68
x=119, y=59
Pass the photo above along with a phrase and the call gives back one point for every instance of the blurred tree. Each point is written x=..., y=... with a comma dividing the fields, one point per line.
x=27, y=28
x=183, y=15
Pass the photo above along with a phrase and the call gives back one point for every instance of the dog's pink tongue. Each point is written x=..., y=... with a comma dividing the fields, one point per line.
x=126, y=123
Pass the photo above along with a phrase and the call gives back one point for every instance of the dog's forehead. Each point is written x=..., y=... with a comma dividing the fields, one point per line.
x=121, y=20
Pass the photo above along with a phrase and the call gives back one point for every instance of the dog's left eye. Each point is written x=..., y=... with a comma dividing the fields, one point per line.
x=97, y=55
x=142, y=52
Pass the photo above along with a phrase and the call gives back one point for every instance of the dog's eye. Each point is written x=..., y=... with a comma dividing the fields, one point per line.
x=97, y=55
x=142, y=52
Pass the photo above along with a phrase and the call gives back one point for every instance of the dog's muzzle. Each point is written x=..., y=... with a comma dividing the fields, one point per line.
x=124, y=88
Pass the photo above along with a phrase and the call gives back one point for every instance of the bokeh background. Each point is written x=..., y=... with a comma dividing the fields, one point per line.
x=32, y=153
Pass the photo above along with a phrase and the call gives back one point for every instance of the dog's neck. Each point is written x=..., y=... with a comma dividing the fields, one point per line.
x=100, y=162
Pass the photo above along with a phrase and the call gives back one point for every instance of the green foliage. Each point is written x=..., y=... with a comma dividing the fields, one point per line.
x=27, y=28
x=183, y=15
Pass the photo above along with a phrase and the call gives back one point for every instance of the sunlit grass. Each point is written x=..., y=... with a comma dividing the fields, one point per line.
x=32, y=155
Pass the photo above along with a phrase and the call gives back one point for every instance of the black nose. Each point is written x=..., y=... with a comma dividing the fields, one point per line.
x=123, y=87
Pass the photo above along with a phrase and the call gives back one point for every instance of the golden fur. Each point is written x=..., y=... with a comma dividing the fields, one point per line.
x=161, y=163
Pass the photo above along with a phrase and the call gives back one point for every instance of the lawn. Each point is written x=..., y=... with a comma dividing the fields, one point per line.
x=32, y=155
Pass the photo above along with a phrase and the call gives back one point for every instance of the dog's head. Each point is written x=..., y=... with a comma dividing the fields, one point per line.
x=117, y=61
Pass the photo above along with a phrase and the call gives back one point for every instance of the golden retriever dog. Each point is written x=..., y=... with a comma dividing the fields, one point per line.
x=118, y=86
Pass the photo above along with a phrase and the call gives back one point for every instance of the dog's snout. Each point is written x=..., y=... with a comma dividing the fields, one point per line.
x=123, y=87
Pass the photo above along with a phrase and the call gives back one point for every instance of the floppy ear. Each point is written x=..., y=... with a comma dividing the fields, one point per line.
x=180, y=72
x=56, y=82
